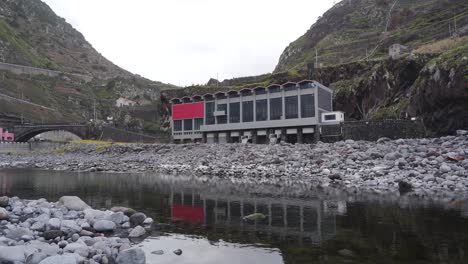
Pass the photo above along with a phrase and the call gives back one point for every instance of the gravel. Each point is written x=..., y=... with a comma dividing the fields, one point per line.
x=427, y=164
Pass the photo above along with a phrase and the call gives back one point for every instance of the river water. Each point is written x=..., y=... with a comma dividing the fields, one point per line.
x=205, y=220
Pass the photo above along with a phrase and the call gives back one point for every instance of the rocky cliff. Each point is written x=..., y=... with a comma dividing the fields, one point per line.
x=354, y=30
x=31, y=34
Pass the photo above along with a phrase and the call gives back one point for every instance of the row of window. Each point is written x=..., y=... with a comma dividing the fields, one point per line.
x=188, y=124
x=261, y=110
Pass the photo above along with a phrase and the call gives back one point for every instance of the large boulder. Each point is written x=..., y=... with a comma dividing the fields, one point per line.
x=4, y=201
x=104, y=226
x=4, y=214
x=73, y=203
x=137, y=219
x=12, y=254
x=93, y=216
x=51, y=234
x=127, y=211
x=70, y=227
x=138, y=231
x=18, y=233
x=131, y=256
x=54, y=224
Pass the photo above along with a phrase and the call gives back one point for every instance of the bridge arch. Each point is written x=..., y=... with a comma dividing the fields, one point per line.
x=25, y=133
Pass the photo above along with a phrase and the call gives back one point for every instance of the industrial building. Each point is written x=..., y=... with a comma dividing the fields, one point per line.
x=292, y=112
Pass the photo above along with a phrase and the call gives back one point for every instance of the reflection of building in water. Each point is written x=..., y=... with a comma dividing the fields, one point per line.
x=314, y=220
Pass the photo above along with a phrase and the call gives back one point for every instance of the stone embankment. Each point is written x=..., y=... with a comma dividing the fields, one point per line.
x=433, y=168
x=68, y=232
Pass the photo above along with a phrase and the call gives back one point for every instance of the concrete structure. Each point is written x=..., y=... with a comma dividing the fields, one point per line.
x=6, y=136
x=121, y=102
x=395, y=51
x=290, y=112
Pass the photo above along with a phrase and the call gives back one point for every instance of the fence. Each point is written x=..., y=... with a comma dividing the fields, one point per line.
x=373, y=130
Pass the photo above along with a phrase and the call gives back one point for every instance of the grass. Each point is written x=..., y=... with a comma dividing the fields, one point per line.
x=8, y=34
x=442, y=45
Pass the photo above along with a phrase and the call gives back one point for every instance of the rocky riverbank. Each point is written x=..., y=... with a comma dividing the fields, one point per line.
x=68, y=232
x=433, y=168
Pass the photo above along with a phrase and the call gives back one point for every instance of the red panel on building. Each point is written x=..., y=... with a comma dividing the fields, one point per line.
x=188, y=111
x=187, y=214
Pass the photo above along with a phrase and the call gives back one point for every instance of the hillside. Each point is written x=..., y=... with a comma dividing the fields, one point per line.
x=354, y=28
x=31, y=34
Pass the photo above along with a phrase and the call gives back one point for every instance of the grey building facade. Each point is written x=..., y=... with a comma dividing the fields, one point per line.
x=289, y=112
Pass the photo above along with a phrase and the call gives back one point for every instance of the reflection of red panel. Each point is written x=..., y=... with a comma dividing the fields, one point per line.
x=187, y=111
x=187, y=213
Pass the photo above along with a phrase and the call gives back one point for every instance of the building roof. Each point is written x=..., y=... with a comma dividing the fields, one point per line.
x=247, y=89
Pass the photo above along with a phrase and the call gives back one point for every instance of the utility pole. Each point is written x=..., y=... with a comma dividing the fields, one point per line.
x=316, y=59
x=94, y=110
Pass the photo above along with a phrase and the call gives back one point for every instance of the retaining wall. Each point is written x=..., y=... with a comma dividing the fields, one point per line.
x=120, y=135
x=20, y=69
x=20, y=147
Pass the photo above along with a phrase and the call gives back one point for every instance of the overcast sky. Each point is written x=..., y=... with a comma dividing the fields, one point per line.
x=186, y=42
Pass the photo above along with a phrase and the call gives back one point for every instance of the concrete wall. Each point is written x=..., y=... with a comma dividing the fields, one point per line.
x=20, y=147
x=20, y=69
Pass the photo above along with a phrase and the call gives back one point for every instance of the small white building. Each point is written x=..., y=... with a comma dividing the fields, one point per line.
x=395, y=51
x=121, y=102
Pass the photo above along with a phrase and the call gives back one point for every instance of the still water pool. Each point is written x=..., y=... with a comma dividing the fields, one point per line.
x=205, y=220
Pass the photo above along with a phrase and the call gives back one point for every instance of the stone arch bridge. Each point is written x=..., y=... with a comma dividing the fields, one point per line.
x=23, y=133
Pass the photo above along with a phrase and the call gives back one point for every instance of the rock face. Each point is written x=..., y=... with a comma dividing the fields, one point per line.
x=73, y=203
x=63, y=259
x=132, y=256
x=356, y=19
x=441, y=92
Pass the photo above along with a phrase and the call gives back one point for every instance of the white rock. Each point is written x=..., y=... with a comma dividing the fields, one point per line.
x=73, y=203
x=148, y=221
x=54, y=224
x=4, y=214
x=70, y=227
x=104, y=225
x=60, y=259
x=138, y=231
x=131, y=256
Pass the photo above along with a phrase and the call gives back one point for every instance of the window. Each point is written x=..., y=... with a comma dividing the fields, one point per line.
x=188, y=125
x=209, y=114
x=290, y=87
x=274, y=89
x=246, y=92
x=260, y=91
x=177, y=125
x=306, y=85
x=330, y=117
x=307, y=105
x=276, y=108
x=234, y=112
x=222, y=119
x=324, y=99
x=261, y=110
x=291, y=107
x=247, y=111
x=198, y=123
